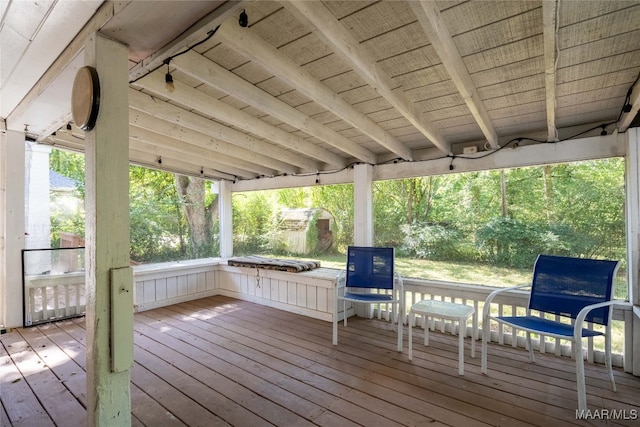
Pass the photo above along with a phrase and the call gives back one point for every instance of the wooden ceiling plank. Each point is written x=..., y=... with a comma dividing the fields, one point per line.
x=335, y=34
x=256, y=48
x=212, y=107
x=428, y=15
x=549, y=22
x=212, y=74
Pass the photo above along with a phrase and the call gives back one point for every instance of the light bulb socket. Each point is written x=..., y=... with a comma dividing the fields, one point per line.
x=627, y=108
x=243, y=20
x=168, y=79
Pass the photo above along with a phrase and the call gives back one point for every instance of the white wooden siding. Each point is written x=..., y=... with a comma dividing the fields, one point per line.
x=304, y=293
x=158, y=285
x=307, y=293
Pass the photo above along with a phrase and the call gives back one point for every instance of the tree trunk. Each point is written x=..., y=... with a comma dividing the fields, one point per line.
x=192, y=195
x=548, y=191
x=503, y=193
x=410, y=199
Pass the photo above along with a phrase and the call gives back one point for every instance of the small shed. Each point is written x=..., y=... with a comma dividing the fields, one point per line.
x=305, y=231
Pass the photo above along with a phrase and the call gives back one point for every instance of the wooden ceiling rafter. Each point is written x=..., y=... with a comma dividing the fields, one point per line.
x=144, y=159
x=428, y=14
x=209, y=106
x=209, y=73
x=149, y=155
x=550, y=34
x=199, y=148
x=334, y=33
x=256, y=48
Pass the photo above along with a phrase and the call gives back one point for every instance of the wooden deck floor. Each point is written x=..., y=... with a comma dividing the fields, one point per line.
x=220, y=361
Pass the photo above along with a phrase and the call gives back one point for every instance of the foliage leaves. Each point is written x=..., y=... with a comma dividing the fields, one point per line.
x=504, y=217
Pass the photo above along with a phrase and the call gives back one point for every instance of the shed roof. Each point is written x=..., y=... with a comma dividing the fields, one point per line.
x=60, y=182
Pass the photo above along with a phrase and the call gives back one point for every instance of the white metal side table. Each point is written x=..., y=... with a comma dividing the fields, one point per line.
x=445, y=310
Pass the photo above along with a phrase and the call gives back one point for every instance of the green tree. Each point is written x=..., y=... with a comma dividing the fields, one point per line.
x=158, y=227
x=70, y=165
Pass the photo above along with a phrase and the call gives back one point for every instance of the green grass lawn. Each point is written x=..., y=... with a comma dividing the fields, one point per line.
x=472, y=273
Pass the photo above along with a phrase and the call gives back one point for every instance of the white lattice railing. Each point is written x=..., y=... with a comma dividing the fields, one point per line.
x=507, y=304
x=54, y=296
x=65, y=296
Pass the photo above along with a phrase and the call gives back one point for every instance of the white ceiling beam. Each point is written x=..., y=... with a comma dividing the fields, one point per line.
x=574, y=150
x=212, y=74
x=343, y=176
x=250, y=44
x=262, y=165
x=65, y=141
x=428, y=14
x=147, y=160
x=598, y=147
x=549, y=20
x=172, y=151
x=334, y=34
x=164, y=147
x=207, y=105
x=634, y=101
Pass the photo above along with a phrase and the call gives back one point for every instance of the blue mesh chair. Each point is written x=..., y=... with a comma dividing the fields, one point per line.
x=576, y=289
x=369, y=278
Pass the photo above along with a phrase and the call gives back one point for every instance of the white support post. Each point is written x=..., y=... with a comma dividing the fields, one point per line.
x=363, y=218
x=632, y=347
x=12, y=175
x=226, y=219
x=109, y=282
x=633, y=213
x=363, y=205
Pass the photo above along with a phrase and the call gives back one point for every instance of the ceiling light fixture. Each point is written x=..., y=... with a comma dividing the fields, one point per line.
x=168, y=78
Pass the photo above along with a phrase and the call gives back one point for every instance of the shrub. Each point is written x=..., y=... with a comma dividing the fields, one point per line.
x=429, y=241
x=514, y=243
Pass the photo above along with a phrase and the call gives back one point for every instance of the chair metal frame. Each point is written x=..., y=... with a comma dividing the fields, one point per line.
x=575, y=303
x=370, y=269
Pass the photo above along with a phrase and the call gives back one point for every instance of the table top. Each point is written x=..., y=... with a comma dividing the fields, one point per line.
x=442, y=308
